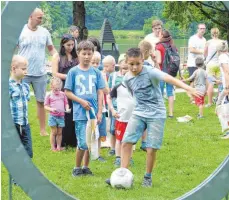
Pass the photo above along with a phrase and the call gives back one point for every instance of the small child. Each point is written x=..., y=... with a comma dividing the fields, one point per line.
x=84, y=86
x=108, y=64
x=95, y=62
x=200, y=84
x=149, y=111
x=115, y=78
x=96, y=59
x=122, y=114
x=19, y=93
x=146, y=50
x=57, y=104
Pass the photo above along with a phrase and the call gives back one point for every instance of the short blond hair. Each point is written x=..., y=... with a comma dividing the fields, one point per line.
x=58, y=81
x=96, y=55
x=145, y=45
x=109, y=59
x=18, y=59
x=157, y=22
x=215, y=32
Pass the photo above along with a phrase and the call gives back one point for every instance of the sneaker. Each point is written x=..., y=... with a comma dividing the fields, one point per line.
x=147, y=182
x=111, y=152
x=76, y=172
x=199, y=116
x=87, y=172
x=208, y=105
x=225, y=137
x=170, y=116
x=117, y=162
x=101, y=159
x=108, y=181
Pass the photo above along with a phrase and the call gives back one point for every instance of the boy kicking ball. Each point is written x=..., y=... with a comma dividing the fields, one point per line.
x=149, y=112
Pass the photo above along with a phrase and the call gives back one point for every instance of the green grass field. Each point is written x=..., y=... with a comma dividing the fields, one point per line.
x=190, y=153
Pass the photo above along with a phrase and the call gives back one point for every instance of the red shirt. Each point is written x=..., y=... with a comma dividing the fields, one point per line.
x=161, y=49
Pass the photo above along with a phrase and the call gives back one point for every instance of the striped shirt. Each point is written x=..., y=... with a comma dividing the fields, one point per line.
x=19, y=97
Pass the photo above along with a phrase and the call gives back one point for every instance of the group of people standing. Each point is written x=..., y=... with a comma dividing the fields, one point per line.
x=85, y=85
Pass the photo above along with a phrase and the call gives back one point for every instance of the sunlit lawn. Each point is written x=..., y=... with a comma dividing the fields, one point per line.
x=190, y=153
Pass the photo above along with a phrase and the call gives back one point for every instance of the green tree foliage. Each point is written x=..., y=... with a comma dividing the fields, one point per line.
x=122, y=15
x=212, y=13
x=47, y=20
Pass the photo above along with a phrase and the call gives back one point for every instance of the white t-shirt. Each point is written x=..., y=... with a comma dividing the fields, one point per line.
x=125, y=103
x=32, y=46
x=152, y=39
x=223, y=59
x=197, y=43
x=212, y=56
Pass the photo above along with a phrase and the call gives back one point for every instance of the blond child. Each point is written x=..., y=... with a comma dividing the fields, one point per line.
x=57, y=104
x=19, y=94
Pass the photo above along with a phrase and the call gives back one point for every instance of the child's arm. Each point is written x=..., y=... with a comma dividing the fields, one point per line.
x=100, y=104
x=49, y=109
x=85, y=104
x=178, y=83
x=191, y=77
x=106, y=90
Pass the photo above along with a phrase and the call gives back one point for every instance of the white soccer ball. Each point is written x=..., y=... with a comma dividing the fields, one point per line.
x=122, y=178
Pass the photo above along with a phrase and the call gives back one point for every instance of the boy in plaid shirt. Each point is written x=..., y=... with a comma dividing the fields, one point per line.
x=19, y=97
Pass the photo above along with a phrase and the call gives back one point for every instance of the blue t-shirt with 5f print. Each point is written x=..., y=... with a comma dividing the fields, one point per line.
x=84, y=84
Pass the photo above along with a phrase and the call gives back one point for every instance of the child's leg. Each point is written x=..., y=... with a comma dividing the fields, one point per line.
x=112, y=131
x=53, y=137
x=169, y=91
x=143, y=145
x=201, y=110
x=80, y=130
x=118, y=148
x=86, y=158
x=134, y=130
x=210, y=93
x=59, y=138
x=150, y=159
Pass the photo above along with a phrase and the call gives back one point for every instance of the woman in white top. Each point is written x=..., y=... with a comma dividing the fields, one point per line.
x=212, y=63
x=224, y=69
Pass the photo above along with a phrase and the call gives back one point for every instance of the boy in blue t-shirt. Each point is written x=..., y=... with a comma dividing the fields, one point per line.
x=149, y=112
x=84, y=86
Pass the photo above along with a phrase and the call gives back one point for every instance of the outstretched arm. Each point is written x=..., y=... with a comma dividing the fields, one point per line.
x=178, y=83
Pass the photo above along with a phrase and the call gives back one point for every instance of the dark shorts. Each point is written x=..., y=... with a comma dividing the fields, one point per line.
x=24, y=133
x=191, y=71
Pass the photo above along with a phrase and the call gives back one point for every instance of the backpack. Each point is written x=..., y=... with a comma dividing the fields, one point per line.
x=171, y=63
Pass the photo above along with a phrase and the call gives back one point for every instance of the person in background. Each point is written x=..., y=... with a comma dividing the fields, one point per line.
x=62, y=62
x=32, y=43
x=199, y=78
x=196, y=45
x=212, y=63
x=166, y=41
x=75, y=32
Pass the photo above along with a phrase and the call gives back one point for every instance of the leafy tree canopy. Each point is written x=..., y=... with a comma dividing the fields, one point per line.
x=212, y=13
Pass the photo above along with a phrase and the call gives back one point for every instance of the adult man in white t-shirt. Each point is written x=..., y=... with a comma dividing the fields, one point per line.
x=32, y=44
x=153, y=38
x=196, y=46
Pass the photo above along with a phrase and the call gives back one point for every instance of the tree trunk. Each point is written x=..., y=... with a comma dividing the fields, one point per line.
x=79, y=18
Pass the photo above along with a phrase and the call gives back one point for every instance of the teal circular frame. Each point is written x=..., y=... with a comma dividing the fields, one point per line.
x=32, y=181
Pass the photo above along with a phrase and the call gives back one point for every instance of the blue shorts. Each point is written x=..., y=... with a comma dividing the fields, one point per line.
x=137, y=125
x=80, y=131
x=169, y=89
x=56, y=121
x=102, y=126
